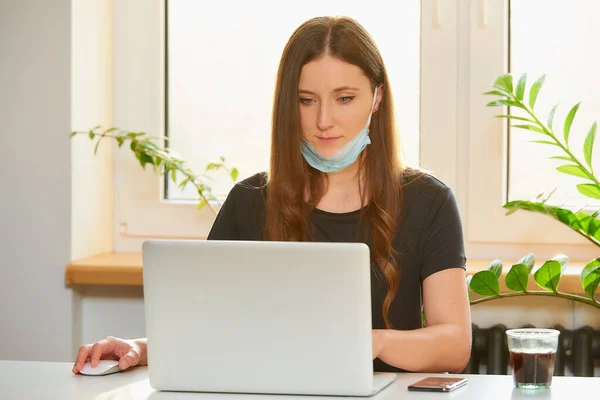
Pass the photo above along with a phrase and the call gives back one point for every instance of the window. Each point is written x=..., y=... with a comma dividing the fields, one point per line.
x=212, y=95
x=564, y=56
x=519, y=37
x=221, y=76
x=184, y=69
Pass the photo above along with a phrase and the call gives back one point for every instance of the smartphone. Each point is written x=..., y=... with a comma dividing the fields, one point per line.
x=438, y=384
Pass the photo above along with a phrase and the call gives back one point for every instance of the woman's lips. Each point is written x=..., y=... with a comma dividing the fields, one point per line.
x=328, y=139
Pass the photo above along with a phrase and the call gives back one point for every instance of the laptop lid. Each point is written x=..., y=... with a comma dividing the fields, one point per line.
x=258, y=317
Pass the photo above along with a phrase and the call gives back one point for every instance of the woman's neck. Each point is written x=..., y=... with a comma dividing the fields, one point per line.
x=343, y=194
x=346, y=178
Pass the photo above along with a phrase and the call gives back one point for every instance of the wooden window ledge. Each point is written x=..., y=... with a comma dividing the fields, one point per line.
x=106, y=269
x=126, y=269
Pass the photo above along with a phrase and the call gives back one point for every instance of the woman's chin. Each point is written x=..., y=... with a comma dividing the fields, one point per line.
x=326, y=151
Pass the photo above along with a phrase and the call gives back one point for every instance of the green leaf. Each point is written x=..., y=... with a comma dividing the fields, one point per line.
x=543, y=142
x=504, y=82
x=551, y=115
x=201, y=204
x=112, y=129
x=568, y=218
x=174, y=175
x=584, y=220
x=589, y=189
x=234, y=174
x=97, y=127
x=120, y=140
x=531, y=128
x=517, y=277
x=569, y=122
x=73, y=133
x=97, y=145
x=498, y=103
x=485, y=283
x=588, y=146
x=528, y=260
x=520, y=91
x=498, y=93
x=589, y=224
x=590, y=277
x=574, y=170
x=581, y=222
x=548, y=275
x=496, y=267
x=535, y=89
x=525, y=205
x=91, y=134
x=563, y=260
x=222, y=159
x=145, y=159
x=184, y=182
x=213, y=166
x=564, y=158
x=516, y=117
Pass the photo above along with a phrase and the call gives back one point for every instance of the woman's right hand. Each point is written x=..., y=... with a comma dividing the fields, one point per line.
x=129, y=353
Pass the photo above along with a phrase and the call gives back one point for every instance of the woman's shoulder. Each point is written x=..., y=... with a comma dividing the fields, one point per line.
x=252, y=187
x=418, y=182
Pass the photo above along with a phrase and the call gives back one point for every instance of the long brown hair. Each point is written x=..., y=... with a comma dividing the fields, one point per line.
x=290, y=177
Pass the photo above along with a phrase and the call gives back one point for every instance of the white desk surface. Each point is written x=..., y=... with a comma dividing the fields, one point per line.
x=52, y=380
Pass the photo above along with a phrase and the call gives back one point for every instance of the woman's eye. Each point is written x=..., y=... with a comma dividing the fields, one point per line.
x=346, y=99
x=306, y=100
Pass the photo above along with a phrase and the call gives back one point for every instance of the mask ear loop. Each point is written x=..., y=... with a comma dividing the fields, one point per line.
x=371, y=113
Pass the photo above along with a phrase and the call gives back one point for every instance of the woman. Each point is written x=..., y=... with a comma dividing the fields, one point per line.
x=336, y=176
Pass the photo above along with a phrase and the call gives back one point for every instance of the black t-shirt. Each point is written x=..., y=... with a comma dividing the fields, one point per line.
x=429, y=239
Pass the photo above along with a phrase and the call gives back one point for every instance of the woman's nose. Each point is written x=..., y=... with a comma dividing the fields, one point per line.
x=325, y=117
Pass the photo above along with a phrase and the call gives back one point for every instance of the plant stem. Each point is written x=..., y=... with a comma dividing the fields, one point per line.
x=567, y=296
x=585, y=235
x=558, y=142
x=191, y=177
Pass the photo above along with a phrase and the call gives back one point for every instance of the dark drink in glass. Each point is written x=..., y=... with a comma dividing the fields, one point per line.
x=532, y=354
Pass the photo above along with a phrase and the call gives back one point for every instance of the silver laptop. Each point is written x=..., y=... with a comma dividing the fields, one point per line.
x=259, y=317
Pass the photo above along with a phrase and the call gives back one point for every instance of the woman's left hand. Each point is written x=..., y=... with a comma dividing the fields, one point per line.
x=378, y=342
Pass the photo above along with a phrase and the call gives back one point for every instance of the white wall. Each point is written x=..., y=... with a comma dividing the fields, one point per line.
x=35, y=170
x=56, y=76
x=91, y=105
x=114, y=311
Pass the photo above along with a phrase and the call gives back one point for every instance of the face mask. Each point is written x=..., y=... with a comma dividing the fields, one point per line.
x=345, y=156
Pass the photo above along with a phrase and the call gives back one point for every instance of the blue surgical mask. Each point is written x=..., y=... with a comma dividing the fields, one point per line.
x=345, y=156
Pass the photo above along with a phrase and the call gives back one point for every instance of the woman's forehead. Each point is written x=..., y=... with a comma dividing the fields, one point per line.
x=329, y=74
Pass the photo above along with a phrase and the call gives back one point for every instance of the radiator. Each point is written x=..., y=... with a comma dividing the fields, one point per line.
x=578, y=351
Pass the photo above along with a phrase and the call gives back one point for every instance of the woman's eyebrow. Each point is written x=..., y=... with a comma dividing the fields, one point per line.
x=338, y=89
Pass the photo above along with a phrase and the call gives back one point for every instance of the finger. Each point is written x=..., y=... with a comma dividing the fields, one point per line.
x=82, y=356
x=101, y=347
x=131, y=359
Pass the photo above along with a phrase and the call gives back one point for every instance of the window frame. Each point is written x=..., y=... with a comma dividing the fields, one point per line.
x=487, y=151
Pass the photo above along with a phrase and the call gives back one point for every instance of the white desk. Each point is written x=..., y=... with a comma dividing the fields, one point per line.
x=45, y=380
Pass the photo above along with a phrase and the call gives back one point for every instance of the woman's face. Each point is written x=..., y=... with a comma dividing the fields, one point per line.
x=335, y=101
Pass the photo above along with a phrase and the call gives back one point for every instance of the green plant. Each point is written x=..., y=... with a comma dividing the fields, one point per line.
x=163, y=161
x=486, y=283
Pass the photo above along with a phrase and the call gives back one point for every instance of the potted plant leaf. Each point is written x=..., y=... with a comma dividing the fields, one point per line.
x=165, y=162
x=486, y=283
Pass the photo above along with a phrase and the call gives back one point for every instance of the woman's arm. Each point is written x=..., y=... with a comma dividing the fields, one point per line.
x=445, y=344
